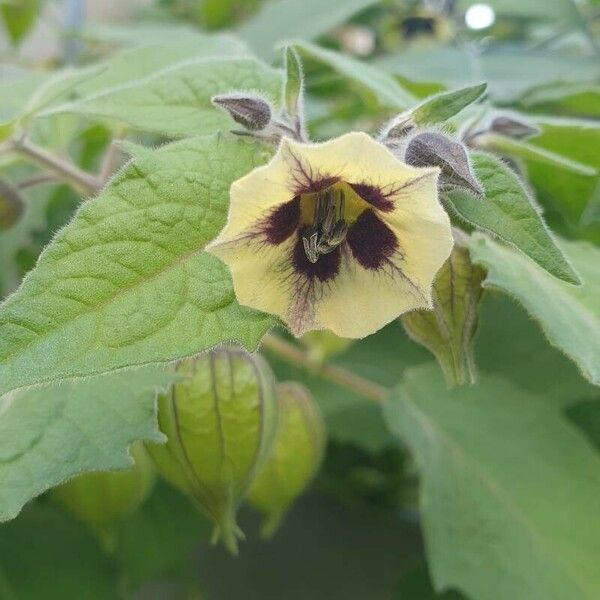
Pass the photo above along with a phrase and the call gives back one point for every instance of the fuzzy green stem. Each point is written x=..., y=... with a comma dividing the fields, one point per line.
x=338, y=375
x=58, y=166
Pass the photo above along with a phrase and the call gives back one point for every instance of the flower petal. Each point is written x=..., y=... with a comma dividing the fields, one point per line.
x=385, y=266
x=362, y=299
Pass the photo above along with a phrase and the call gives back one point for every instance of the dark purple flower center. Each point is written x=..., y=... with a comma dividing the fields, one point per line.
x=374, y=196
x=326, y=268
x=282, y=222
x=371, y=241
x=326, y=221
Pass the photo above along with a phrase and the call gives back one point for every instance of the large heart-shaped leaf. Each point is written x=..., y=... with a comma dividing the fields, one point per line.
x=176, y=101
x=509, y=488
x=127, y=281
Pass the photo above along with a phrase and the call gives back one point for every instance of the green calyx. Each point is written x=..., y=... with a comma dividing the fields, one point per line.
x=447, y=331
x=219, y=420
x=102, y=499
x=295, y=458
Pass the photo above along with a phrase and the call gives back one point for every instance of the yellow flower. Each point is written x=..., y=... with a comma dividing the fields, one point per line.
x=339, y=235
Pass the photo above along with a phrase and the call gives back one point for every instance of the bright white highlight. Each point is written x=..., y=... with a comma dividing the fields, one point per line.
x=480, y=16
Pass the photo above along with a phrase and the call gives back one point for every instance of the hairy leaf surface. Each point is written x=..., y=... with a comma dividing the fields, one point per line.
x=569, y=315
x=176, y=101
x=49, y=434
x=127, y=281
x=508, y=212
x=509, y=488
x=386, y=90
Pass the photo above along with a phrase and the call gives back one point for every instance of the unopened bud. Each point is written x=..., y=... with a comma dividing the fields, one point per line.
x=295, y=457
x=11, y=205
x=513, y=128
x=101, y=500
x=435, y=150
x=220, y=420
x=252, y=112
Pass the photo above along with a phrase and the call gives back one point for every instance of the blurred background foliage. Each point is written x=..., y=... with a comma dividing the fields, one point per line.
x=357, y=534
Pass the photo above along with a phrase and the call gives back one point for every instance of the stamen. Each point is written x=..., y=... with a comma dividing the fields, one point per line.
x=329, y=227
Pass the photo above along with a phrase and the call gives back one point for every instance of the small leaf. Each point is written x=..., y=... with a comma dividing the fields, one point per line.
x=49, y=434
x=128, y=282
x=569, y=315
x=443, y=106
x=294, y=83
x=508, y=212
x=513, y=127
x=447, y=331
x=382, y=86
x=176, y=101
x=509, y=488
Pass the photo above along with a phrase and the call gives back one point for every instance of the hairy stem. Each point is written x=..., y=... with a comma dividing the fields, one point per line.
x=58, y=166
x=338, y=375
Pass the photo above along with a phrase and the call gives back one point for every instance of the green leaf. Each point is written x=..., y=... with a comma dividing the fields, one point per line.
x=383, y=87
x=577, y=139
x=132, y=64
x=502, y=144
x=19, y=16
x=166, y=35
x=510, y=70
x=569, y=315
x=127, y=281
x=492, y=529
x=49, y=434
x=289, y=19
x=447, y=330
x=176, y=101
x=577, y=100
x=508, y=212
x=443, y=106
x=44, y=554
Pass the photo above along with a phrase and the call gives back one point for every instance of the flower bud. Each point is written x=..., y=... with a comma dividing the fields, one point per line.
x=11, y=205
x=102, y=499
x=513, y=128
x=252, y=112
x=220, y=420
x=295, y=458
x=435, y=150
